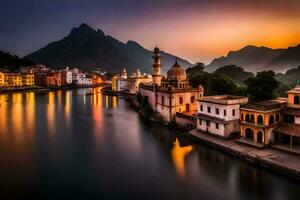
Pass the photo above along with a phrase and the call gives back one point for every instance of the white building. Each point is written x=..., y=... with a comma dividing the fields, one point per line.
x=220, y=114
x=136, y=79
x=66, y=76
x=122, y=81
x=79, y=78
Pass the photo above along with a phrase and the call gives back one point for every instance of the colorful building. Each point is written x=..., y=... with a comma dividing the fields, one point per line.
x=12, y=79
x=259, y=119
x=288, y=133
x=66, y=76
x=1, y=79
x=220, y=115
x=169, y=95
x=27, y=79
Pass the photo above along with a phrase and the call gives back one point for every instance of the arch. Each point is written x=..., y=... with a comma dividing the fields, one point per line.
x=247, y=118
x=271, y=120
x=180, y=100
x=249, y=134
x=260, y=120
x=277, y=117
x=252, y=120
x=296, y=100
x=193, y=99
x=259, y=136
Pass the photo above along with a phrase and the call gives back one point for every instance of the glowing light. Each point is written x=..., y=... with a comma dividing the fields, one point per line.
x=178, y=156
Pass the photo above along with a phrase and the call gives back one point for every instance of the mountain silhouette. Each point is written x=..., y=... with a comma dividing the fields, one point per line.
x=90, y=49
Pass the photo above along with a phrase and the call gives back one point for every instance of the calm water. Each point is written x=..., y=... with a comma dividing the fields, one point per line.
x=68, y=145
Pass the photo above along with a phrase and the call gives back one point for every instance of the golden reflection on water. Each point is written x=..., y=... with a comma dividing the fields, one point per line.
x=17, y=115
x=97, y=116
x=67, y=108
x=3, y=114
x=114, y=102
x=51, y=113
x=179, y=154
x=30, y=112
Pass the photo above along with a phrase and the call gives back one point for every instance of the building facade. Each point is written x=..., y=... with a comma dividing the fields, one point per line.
x=66, y=76
x=135, y=80
x=220, y=115
x=169, y=95
x=259, y=119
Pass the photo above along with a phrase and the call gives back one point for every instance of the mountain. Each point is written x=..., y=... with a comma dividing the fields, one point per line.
x=90, y=49
x=290, y=58
x=11, y=62
x=251, y=58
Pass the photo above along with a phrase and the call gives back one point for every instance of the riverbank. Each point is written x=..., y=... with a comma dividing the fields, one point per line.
x=275, y=160
x=46, y=89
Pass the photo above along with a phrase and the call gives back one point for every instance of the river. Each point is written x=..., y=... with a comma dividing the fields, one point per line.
x=70, y=145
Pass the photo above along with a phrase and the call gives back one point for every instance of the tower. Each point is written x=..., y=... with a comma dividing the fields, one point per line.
x=156, y=75
x=124, y=73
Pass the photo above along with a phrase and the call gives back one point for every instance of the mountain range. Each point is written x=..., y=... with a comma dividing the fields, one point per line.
x=255, y=59
x=90, y=49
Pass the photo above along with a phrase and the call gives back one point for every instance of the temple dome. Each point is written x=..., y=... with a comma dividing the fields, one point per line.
x=176, y=72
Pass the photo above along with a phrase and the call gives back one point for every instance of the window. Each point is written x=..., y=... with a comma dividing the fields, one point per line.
x=296, y=100
x=207, y=123
x=180, y=100
x=217, y=111
x=201, y=107
x=200, y=121
x=277, y=117
x=217, y=126
x=208, y=109
x=193, y=99
x=233, y=112
x=224, y=112
x=162, y=100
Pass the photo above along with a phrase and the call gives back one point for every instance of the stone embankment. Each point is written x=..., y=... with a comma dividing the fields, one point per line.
x=278, y=161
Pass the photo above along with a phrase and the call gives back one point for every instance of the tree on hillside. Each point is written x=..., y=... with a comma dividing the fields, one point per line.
x=234, y=72
x=262, y=86
x=197, y=69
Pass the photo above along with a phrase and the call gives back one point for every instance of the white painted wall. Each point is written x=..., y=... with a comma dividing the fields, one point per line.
x=221, y=108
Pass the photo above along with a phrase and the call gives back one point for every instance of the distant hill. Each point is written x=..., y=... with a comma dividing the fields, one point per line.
x=253, y=59
x=12, y=62
x=90, y=49
x=291, y=77
x=290, y=58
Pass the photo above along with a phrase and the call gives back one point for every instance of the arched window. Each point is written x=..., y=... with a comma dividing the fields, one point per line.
x=249, y=134
x=260, y=120
x=247, y=118
x=259, y=137
x=252, y=119
x=296, y=100
x=180, y=100
x=277, y=117
x=162, y=100
x=271, y=120
x=193, y=99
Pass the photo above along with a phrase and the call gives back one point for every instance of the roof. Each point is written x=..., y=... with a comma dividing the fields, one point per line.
x=289, y=129
x=266, y=105
x=225, y=99
x=291, y=111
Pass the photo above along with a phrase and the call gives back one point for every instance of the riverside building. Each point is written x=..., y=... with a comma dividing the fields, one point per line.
x=171, y=94
x=220, y=114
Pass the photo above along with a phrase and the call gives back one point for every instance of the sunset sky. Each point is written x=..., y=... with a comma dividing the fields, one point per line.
x=198, y=30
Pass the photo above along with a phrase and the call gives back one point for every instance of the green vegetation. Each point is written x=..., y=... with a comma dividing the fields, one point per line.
x=234, y=72
x=262, y=87
x=235, y=81
x=290, y=78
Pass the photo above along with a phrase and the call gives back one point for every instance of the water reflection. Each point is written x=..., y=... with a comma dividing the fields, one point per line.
x=178, y=156
x=102, y=146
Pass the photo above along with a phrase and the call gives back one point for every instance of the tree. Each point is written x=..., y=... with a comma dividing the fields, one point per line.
x=262, y=86
x=234, y=72
x=197, y=69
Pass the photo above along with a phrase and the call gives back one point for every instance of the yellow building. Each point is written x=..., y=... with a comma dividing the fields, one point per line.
x=12, y=79
x=114, y=83
x=1, y=79
x=259, y=119
x=27, y=79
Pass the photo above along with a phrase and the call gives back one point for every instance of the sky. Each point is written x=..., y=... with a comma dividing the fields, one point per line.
x=198, y=30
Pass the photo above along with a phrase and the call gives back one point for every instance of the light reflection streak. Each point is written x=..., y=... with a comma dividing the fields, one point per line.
x=30, y=112
x=178, y=156
x=51, y=113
